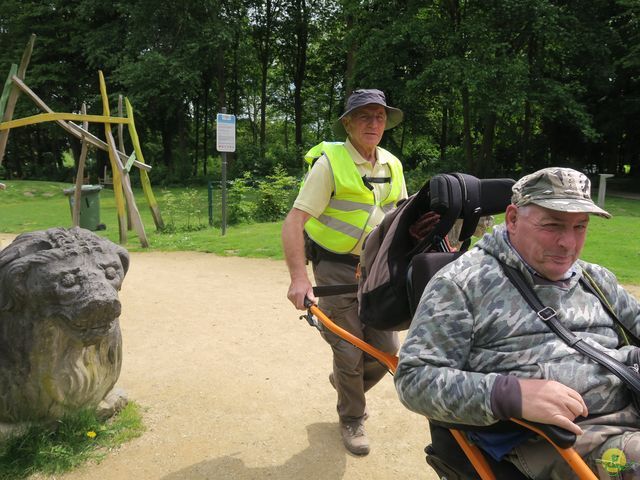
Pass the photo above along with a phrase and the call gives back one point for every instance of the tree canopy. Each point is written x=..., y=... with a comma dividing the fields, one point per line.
x=498, y=87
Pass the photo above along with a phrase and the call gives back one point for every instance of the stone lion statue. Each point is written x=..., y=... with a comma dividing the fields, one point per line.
x=60, y=342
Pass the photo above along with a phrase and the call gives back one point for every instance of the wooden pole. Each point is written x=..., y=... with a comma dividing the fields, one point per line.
x=77, y=194
x=144, y=176
x=121, y=146
x=115, y=167
x=120, y=126
x=121, y=178
x=15, y=93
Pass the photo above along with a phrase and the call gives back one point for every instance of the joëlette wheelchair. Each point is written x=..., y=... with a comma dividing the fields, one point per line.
x=451, y=454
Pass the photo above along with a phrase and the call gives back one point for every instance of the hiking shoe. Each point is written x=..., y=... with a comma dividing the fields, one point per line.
x=354, y=438
x=366, y=409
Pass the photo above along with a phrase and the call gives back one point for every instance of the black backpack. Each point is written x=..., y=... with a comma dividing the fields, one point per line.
x=384, y=296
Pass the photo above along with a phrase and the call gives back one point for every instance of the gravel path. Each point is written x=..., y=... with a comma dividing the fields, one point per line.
x=235, y=386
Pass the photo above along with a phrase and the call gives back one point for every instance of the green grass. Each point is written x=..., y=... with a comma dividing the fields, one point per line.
x=615, y=243
x=72, y=441
x=27, y=206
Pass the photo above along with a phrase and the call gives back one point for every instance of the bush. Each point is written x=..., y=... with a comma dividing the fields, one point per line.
x=183, y=212
x=275, y=195
x=266, y=200
x=240, y=209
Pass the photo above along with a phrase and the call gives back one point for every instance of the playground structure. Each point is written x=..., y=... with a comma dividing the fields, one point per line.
x=120, y=163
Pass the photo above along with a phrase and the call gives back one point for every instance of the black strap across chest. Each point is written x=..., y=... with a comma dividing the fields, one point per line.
x=547, y=314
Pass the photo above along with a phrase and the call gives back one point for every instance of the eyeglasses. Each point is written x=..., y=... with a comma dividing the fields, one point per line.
x=365, y=117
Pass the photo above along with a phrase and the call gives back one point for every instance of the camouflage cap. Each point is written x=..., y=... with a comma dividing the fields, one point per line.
x=557, y=188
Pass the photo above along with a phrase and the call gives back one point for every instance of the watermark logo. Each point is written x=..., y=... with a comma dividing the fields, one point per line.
x=614, y=461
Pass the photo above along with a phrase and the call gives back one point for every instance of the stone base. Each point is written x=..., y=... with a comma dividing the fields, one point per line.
x=115, y=401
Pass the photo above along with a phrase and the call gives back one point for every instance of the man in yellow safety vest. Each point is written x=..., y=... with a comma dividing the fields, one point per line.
x=346, y=193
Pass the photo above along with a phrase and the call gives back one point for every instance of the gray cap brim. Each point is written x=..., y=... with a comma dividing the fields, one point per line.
x=573, y=205
x=394, y=118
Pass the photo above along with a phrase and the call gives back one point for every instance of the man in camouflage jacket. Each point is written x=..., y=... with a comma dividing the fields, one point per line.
x=477, y=353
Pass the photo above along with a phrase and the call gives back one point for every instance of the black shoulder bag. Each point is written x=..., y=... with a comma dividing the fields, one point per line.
x=627, y=374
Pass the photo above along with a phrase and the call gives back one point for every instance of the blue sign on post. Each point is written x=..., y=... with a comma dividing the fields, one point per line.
x=226, y=132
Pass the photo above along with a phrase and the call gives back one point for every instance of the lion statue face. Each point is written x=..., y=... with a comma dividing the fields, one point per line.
x=80, y=293
x=60, y=343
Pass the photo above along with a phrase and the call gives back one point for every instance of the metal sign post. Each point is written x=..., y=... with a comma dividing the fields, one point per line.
x=225, y=142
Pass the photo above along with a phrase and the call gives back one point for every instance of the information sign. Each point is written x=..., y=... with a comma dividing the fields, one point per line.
x=226, y=133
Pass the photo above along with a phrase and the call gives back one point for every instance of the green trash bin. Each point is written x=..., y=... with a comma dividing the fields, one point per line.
x=89, y=206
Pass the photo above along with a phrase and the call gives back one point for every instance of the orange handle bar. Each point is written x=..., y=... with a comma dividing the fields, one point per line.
x=570, y=456
x=574, y=460
x=388, y=360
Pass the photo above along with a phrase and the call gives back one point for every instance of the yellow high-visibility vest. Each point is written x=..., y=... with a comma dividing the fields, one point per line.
x=345, y=220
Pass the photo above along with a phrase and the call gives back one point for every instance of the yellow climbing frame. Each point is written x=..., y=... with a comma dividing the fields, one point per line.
x=120, y=162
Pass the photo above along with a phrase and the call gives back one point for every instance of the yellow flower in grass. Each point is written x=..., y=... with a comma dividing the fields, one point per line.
x=91, y=434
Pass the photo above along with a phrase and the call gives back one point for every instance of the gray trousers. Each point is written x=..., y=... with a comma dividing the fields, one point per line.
x=354, y=372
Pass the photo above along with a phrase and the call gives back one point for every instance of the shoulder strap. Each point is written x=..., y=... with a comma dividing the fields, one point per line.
x=629, y=376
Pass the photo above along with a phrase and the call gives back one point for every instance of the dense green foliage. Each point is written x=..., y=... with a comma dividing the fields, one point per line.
x=489, y=87
x=68, y=443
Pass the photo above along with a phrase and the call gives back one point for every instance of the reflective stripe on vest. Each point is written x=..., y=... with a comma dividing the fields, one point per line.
x=345, y=220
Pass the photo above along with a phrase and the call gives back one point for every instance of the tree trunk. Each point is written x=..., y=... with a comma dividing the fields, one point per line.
x=221, y=81
x=286, y=132
x=183, y=156
x=351, y=60
x=532, y=52
x=332, y=89
x=196, y=136
x=265, y=58
x=220, y=77
x=526, y=135
x=486, y=166
x=466, y=126
x=235, y=74
x=444, y=134
x=302, y=37
x=352, y=48
x=205, y=133
x=167, y=147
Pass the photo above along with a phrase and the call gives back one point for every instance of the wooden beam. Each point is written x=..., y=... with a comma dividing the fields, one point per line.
x=53, y=116
x=121, y=176
x=120, y=126
x=15, y=93
x=77, y=194
x=144, y=176
x=127, y=164
x=6, y=90
x=75, y=130
x=116, y=167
